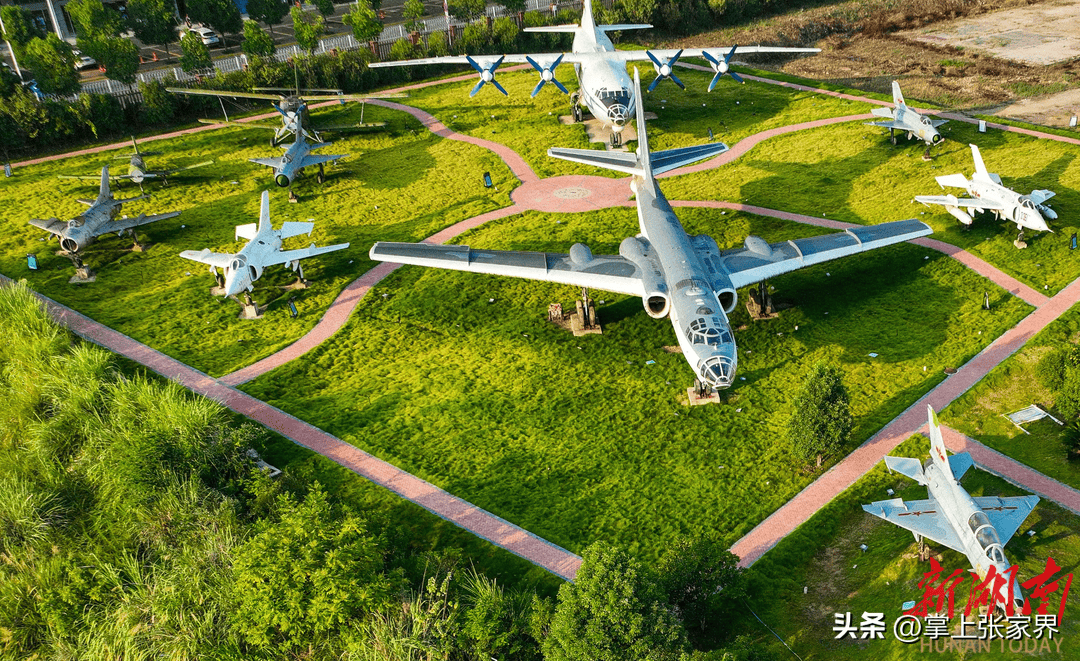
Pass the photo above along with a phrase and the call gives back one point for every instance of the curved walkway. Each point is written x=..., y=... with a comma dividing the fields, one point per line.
x=578, y=193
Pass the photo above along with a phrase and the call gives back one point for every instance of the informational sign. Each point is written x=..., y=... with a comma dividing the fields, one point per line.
x=31, y=260
x=487, y=180
x=292, y=309
x=982, y=126
x=1072, y=121
x=1072, y=242
x=710, y=135
x=8, y=172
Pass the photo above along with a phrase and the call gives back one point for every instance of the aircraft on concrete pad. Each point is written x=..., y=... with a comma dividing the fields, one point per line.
x=901, y=118
x=297, y=156
x=988, y=194
x=263, y=249
x=137, y=170
x=604, y=85
x=686, y=278
x=102, y=217
x=976, y=527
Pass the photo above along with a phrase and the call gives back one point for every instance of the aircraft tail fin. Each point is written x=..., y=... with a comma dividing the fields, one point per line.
x=135, y=145
x=938, y=455
x=980, y=167
x=897, y=97
x=264, y=214
x=103, y=192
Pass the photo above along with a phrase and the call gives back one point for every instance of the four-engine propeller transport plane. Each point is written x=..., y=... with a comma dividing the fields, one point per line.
x=137, y=170
x=297, y=156
x=902, y=118
x=263, y=249
x=988, y=194
x=976, y=527
x=604, y=85
x=101, y=218
x=686, y=278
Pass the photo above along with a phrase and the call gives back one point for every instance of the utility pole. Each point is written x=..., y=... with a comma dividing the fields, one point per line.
x=11, y=50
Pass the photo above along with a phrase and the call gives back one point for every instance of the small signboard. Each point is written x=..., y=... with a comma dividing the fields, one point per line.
x=487, y=180
x=1072, y=121
x=1072, y=242
x=31, y=262
x=710, y=135
x=982, y=126
x=7, y=170
x=292, y=309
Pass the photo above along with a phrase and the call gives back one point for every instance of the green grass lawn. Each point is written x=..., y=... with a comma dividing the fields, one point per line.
x=823, y=556
x=398, y=183
x=851, y=172
x=579, y=439
x=531, y=126
x=1011, y=386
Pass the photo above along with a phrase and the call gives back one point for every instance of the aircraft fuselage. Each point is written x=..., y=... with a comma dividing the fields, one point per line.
x=604, y=85
x=84, y=228
x=1020, y=209
x=247, y=265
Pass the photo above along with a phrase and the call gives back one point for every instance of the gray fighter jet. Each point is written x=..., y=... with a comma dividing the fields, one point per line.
x=901, y=118
x=137, y=170
x=976, y=527
x=102, y=217
x=988, y=194
x=297, y=156
x=687, y=278
x=263, y=249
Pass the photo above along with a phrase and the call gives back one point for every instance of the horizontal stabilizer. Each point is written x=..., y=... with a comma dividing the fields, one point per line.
x=291, y=229
x=618, y=161
x=83, y=200
x=938, y=122
x=670, y=159
x=206, y=256
x=907, y=466
x=960, y=463
x=622, y=26
x=882, y=112
x=54, y=225
x=570, y=27
x=1041, y=196
x=954, y=180
x=246, y=231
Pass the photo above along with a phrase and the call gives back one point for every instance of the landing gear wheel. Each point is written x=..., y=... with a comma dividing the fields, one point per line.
x=926, y=154
x=575, y=112
x=1019, y=242
x=273, y=141
x=321, y=177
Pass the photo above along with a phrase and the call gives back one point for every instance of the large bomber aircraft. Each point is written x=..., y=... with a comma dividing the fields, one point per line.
x=604, y=86
x=976, y=527
x=138, y=172
x=988, y=194
x=100, y=218
x=686, y=278
x=904, y=119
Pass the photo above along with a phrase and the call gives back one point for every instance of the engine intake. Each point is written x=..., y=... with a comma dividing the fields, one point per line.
x=656, y=299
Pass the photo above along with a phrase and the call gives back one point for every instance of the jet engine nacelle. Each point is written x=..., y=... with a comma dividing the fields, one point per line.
x=656, y=299
x=725, y=292
x=254, y=272
x=959, y=215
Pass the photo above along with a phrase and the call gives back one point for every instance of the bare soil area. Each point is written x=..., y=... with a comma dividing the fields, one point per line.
x=866, y=44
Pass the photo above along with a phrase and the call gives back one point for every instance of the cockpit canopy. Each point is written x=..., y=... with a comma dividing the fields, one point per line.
x=926, y=121
x=987, y=536
x=707, y=330
x=238, y=262
x=1027, y=203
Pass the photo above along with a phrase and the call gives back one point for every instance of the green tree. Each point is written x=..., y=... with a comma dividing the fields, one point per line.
x=613, y=611
x=364, y=22
x=194, y=53
x=822, y=420
x=475, y=39
x=153, y=22
x=325, y=7
x=53, y=65
x=307, y=27
x=640, y=11
x=412, y=12
x=267, y=12
x=308, y=574
x=703, y=583
x=467, y=10
x=118, y=55
x=21, y=28
x=222, y=15
x=505, y=32
x=403, y=49
x=514, y=6
x=256, y=41
x=94, y=21
x=436, y=44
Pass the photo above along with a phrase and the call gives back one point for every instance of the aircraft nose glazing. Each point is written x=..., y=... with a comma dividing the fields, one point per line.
x=718, y=371
x=617, y=115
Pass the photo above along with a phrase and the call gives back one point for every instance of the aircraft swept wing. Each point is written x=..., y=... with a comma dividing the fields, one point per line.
x=330, y=95
x=1007, y=514
x=922, y=517
x=207, y=256
x=668, y=53
x=268, y=162
x=315, y=159
x=121, y=224
x=54, y=225
x=286, y=256
x=953, y=201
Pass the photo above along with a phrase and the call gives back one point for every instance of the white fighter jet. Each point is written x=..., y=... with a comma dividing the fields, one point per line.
x=297, y=156
x=904, y=119
x=604, y=86
x=988, y=194
x=687, y=278
x=102, y=217
x=263, y=249
x=976, y=527
x=138, y=172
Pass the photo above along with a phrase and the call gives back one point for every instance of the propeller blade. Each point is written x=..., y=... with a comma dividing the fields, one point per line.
x=675, y=79
x=653, y=58
x=499, y=87
x=472, y=62
x=731, y=54
x=536, y=90
x=477, y=88
x=736, y=76
x=528, y=58
x=654, y=83
x=709, y=56
x=712, y=83
x=560, y=86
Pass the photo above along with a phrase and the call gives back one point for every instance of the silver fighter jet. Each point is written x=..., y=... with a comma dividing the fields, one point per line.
x=901, y=118
x=988, y=194
x=138, y=172
x=102, y=217
x=263, y=249
x=976, y=527
x=604, y=86
x=687, y=278
x=297, y=156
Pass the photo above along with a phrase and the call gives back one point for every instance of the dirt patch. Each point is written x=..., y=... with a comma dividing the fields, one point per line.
x=1046, y=33
x=1052, y=110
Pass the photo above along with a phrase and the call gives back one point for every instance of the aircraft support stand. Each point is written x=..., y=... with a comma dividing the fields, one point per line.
x=1019, y=242
x=701, y=393
x=892, y=136
x=83, y=274
x=926, y=154
x=219, y=290
x=250, y=308
x=301, y=282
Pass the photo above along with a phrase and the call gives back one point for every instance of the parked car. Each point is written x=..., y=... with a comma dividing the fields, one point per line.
x=83, y=61
x=208, y=36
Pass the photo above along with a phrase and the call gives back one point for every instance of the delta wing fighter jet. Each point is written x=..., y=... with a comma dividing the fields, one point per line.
x=976, y=527
x=102, y=217
x=297, y=156
x=137, y=170
x=263, y=249
x=688, y=279
x=988, y=194
x=604, y=86
x=901, y=118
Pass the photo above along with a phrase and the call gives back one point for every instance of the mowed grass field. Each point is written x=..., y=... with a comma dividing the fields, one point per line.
x=823, y=556
x=580, y=439
x=400, y=182
x=851, y=172
x=1011, y=386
